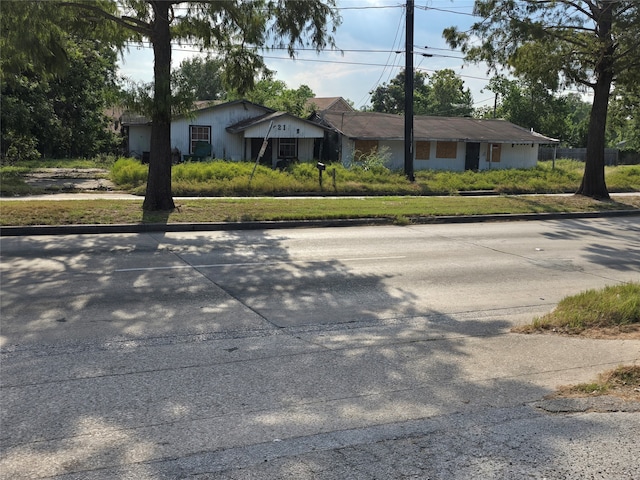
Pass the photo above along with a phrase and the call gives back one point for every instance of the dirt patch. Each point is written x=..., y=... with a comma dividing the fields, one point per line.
x=70, y=179
x=626, y=332
x=620, y=332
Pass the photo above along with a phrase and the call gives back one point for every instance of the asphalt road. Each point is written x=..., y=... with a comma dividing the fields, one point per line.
x=370, y=352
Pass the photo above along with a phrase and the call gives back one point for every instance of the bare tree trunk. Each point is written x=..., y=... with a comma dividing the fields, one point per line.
x=593, y=182
x=158, y=194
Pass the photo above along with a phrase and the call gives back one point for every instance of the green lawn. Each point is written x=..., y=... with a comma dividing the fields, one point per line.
x=398, y=209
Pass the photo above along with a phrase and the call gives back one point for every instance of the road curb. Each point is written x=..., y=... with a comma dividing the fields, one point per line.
x=92, y=229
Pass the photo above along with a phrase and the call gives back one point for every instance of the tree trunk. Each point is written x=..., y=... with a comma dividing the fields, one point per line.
x=158, y=195
x=593, y=182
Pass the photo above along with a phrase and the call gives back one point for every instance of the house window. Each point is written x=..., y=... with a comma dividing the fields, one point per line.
x=493, y=152
x=423, y=150
x=364, y=148
x=198, y=133
x=446, y=150
x=287, y=148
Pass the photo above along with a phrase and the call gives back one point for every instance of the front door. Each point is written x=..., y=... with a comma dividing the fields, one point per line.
x=472, y=159
x=256, y=145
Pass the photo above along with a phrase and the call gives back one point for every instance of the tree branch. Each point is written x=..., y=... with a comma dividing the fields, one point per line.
x=136, y=25
x=571, y=3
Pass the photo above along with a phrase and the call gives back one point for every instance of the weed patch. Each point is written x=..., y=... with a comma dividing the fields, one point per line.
x=623, y=382
x=611, y=311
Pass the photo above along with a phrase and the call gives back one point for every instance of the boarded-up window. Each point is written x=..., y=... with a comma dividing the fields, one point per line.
x=493, y=152
x=364, y=147
x=446, y=150
x=423, y=150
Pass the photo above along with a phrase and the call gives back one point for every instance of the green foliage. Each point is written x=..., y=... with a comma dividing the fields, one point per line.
x=623, y=122
x=374, y=161
x=129, y=173
x=202, y=78
x=18, y=147
x=625, y=178
x=275, y=94
x=441, y=94
x=447, y=96
x=531, y=105
x=36, y=36
x=63, y=115
x=555, y=42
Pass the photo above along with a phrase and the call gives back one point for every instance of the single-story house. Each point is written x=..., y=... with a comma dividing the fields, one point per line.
x=336, y=132
x=235, y=130
x=440, y=143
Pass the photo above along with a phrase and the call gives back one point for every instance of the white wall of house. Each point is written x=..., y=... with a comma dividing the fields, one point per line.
x=285, y=127
x=511, y=156
x=225, y=145
x=139, y=139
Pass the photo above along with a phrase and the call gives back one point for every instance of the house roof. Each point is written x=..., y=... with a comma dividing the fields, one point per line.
x=267, y=117
x=131, y=118
x=334, y=104
x=384, y=126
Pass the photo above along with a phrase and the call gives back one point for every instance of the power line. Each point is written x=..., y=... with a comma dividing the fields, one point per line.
x=445, y=10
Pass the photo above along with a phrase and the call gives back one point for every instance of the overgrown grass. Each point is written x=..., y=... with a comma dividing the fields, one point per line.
x=401, y=210
x=614, y=308
x=12, y=182
x=221, y=178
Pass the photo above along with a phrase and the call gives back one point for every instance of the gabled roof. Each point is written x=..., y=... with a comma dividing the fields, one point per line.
x=385, y=126
x=333, y=104
x=267, y=117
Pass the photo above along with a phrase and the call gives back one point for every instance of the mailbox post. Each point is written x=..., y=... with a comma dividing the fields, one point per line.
x=321, y=168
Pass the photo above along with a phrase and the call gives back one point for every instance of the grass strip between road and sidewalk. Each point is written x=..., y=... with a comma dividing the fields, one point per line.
x=401, y=209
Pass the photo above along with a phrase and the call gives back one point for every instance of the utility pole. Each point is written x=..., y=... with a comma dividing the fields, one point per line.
x=408, y=95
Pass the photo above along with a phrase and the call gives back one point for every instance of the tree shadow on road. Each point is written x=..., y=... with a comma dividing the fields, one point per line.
x=625, y=257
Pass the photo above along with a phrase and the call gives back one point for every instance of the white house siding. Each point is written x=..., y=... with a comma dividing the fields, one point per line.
x=139, y=139
x=511, y=156
x=225, y=145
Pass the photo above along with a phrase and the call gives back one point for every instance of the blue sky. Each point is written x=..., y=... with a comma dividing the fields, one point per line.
x=376, y=29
